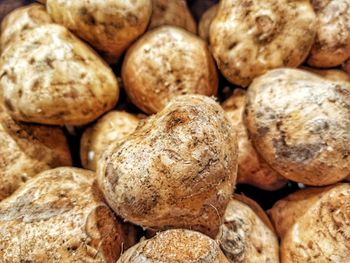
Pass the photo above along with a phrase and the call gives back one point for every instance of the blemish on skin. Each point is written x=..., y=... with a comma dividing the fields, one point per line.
x=295, y=153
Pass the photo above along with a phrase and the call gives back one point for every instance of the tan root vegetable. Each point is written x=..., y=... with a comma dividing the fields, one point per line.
x=177, y=170
x=330, y=74
x=110, y=26
x=165, y=63
x=60, y=216
x=176, y=245
x=246, y=234
x=26, y=150
x=332, y=43
x=249, y=37
x=252, y=169
x=22, y=19
x=318, y=228
x=285, y=213
x=49, y=76
x=205, y=22
x=174, y=13
x=114, y=126
x=299, y=123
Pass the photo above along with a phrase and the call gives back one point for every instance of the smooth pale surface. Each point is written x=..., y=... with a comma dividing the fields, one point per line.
x=49, y=76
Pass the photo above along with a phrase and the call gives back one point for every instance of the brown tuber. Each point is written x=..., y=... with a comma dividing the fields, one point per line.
x=115, y=125
x=250, y=37
x=165, y=63
x=246, y=235
x=177, y=170
x=314, y=225
x=299, y=123
x=177, y=245
x=61, y=216
x=252, y=169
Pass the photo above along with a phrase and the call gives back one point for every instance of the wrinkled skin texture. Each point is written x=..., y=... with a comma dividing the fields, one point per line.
x=252, y=169
x=49, y=76
x=177, y=170
x=165, y=63
x=27, y=150
x=244, y=236
x=320, y=230
x=249, y=37
x=299, y=123
x=205, y=22
x=60, y=216
x=21, y=19
x=332, y=43
x=109, y=26
x=176, y=245
x=113, y=126
x=174, y=13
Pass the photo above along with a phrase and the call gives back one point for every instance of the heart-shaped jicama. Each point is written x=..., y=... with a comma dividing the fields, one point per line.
x=177, y=170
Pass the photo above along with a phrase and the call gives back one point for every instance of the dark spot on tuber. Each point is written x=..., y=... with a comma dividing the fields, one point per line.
x=176, y=118
x=295, y=153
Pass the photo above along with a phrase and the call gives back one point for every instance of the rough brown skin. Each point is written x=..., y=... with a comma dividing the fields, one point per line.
x=113, y=126
x=61, y=216
x=21, y=19
x=249, y=37
x=319, y=231
x=167, y=62
x=26, y=150
x=109, y=26
x=205, y=22
x=299, y=123
x=177, y=245
x=49, y=76
x=252, y=169
x=177, y=170
x=246, y=235
x=332, y=42
x=174, y=13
